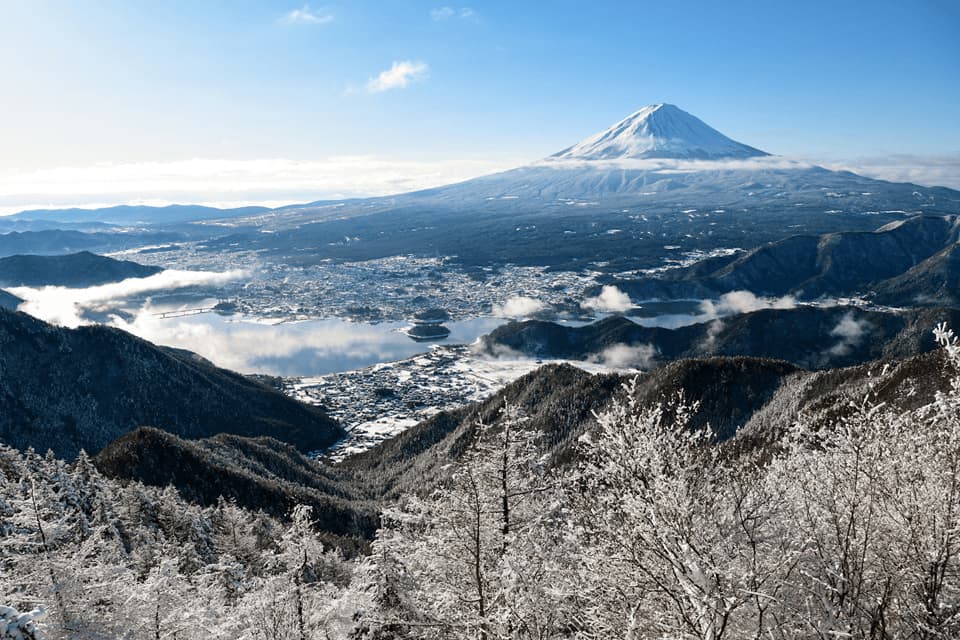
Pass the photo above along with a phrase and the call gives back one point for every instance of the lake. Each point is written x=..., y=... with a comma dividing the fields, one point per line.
x=296, y=348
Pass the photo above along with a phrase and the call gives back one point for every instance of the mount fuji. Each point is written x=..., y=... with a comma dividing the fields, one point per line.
x=659, y=131
x=652, y=189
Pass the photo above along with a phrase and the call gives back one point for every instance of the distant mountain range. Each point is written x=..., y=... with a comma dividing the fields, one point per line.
x=657, y=185
x=809, y=337
x=132, y=214
x=68, y=390
x=904, y=263
x=59, y=241
x=653, y=187
x=83, y=269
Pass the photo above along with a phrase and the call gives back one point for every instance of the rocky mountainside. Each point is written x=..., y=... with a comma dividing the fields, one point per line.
x=67, y=389
x=936, y=280
x=82, y=269
x=745, y=401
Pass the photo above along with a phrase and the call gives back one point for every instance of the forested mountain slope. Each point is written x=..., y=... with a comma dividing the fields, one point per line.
x=83, y=269
x=847, y=263
x=258, y=474
x=809, y=337
x=72, y=389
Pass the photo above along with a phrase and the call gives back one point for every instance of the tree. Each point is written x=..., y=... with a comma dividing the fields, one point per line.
x=674, y=537
x=461, y=562
x=873, y=509
x=21, y=626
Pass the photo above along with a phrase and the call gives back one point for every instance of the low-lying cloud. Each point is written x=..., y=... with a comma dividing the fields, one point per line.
x=220, y=182
x=850, y=332
x=743, y=302
x=670, y=165
x=936, y=170
x=64, y=306
x=518, y=307
x=709, y=342
x=610, y=300
x=488, y=348
x=626, y=356
x=289, y=348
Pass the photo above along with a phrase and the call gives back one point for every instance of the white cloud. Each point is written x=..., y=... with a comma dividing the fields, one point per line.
x=940, y=171
x=484, y=348
x=850, y=331
x=306, y=15
x=250, y=346
x=219, y=182
x=668, y=165
x=64, y=305
x=743, y=302
x=624, y=356
x=710, y=340
x=610, y=300
x=518, y=307
x=446, y=13
x=398, y=76
x=442, y=13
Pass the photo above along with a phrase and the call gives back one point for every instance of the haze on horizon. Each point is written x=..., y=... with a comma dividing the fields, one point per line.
x=230, y=103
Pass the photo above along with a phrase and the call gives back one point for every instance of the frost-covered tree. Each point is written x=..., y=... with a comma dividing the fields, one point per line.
x=873, y=509
x=463, y=562
x=675, y=538
x=137, y=562
x=847, y=527
x=15, y=625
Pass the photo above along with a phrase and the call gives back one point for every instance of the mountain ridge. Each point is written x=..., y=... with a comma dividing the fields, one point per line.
x=72, y=389
x=81, y=269
x=908, y=262
x=815, y=338
x=127, y=214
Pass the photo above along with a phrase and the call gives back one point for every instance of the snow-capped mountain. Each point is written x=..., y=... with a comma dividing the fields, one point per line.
x=657, y=186
x=658, y=131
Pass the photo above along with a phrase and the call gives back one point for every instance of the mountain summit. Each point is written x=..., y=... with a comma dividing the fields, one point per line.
x=658, y=131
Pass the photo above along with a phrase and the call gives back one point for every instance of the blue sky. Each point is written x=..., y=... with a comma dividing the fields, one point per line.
x=475, y=87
